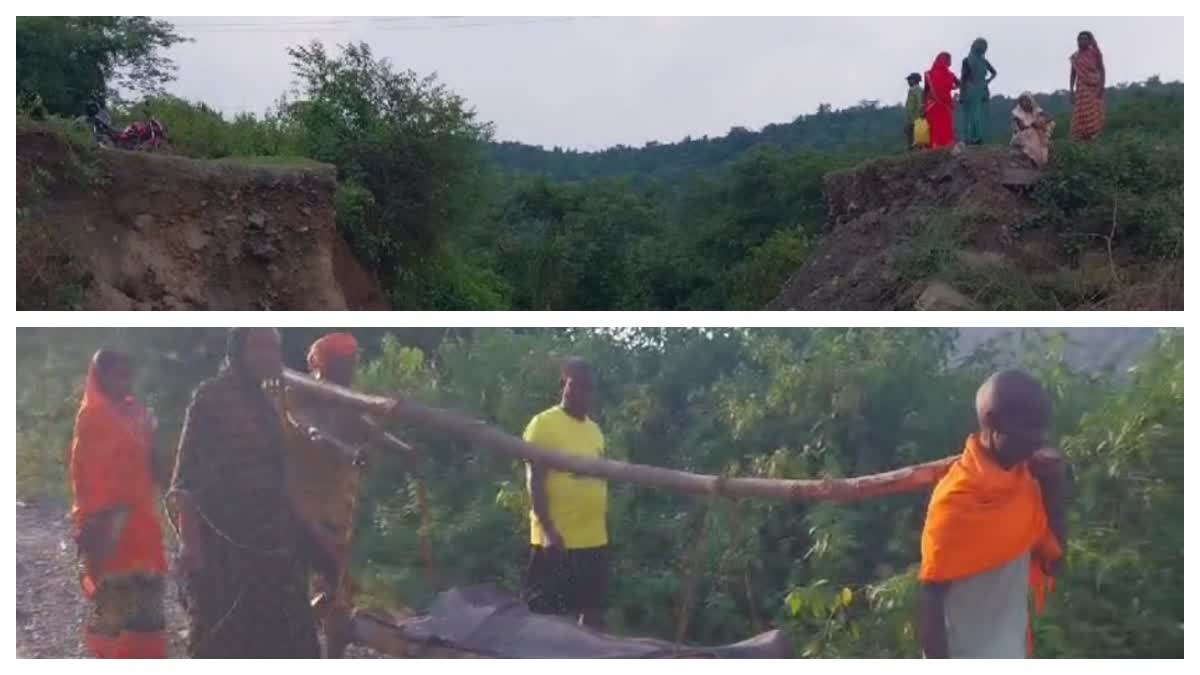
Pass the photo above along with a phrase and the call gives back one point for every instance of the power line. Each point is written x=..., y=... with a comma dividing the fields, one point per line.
x=344, y=25
x=314, y=21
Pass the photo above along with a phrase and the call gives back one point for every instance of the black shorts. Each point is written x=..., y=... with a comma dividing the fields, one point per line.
x=567, y=582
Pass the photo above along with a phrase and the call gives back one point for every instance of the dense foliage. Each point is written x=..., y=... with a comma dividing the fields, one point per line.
x=767, y=402
x=406, y=150
x=65, y=61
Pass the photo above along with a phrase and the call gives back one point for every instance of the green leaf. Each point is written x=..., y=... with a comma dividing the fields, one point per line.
x=795, y=602
x=847, y=597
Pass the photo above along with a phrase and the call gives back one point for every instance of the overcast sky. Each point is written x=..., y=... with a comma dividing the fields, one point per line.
x=595, y=82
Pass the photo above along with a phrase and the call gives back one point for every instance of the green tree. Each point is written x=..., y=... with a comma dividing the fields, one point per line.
x=406, y=149
x=65, y=61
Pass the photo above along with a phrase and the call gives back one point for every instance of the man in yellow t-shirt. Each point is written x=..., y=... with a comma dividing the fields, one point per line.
x=568, y=529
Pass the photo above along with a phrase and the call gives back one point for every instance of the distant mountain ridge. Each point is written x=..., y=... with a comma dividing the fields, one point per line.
x=866, y=127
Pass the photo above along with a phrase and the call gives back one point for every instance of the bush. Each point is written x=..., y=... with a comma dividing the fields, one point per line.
x=769, y=265
x=196, y=130
x=1129, y=183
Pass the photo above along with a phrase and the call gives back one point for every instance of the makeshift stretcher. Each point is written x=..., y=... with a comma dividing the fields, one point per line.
x=485, y=622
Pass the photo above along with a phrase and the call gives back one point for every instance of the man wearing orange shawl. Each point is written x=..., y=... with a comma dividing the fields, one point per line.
x=1087, y=89
x=324, y=481
x=995, y=528
x=940, y=83
x=115, y=515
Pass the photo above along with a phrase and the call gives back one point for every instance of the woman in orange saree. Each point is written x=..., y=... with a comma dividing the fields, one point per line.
x=115, y=515
x=940, y=83
x=1087, y=89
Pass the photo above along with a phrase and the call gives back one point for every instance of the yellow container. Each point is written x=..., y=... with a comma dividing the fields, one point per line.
x=921, y=133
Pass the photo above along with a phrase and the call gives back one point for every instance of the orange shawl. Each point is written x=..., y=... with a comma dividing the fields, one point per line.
x=110, y=467
x=981, y=517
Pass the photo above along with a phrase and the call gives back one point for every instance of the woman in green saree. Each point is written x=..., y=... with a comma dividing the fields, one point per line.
x=977, y=74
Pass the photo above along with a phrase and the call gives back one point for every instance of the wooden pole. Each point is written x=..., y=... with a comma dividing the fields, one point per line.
x=475, y=432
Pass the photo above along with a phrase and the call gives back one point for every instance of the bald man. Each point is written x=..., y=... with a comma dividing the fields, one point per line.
x=568, y=563
x=995, y=527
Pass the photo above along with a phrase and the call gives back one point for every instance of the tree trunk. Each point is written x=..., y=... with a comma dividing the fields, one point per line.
x=467, y=430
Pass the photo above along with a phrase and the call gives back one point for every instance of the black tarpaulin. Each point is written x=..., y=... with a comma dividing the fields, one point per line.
x=486, y=620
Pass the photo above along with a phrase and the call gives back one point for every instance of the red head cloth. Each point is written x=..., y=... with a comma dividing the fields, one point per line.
x=942, y=81
x=331, y=348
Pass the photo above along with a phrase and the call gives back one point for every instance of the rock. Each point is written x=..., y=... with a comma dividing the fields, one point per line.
x=143, y=222
x=258, y=219
x=942, y=297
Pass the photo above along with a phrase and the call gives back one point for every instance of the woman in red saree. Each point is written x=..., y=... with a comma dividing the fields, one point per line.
x=115, y=515
x=1087, y=89
x=940, y=83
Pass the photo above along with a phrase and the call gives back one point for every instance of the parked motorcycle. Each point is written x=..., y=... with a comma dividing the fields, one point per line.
x=149, y=135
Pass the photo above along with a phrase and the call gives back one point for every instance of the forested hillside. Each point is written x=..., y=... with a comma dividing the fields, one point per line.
x=867, y=128
x=765, y=402
x=445, y=218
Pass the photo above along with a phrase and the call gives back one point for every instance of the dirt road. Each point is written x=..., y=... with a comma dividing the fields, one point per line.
x=50, y=604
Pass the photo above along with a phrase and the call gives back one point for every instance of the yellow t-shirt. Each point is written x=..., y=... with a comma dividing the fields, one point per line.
x=578, y=505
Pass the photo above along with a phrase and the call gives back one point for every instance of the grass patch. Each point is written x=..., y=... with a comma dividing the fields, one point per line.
x=937, y=237
x=939, y=249
x=71, y=158
x=273, y=162
x=74, y=132
x=1005, y=288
